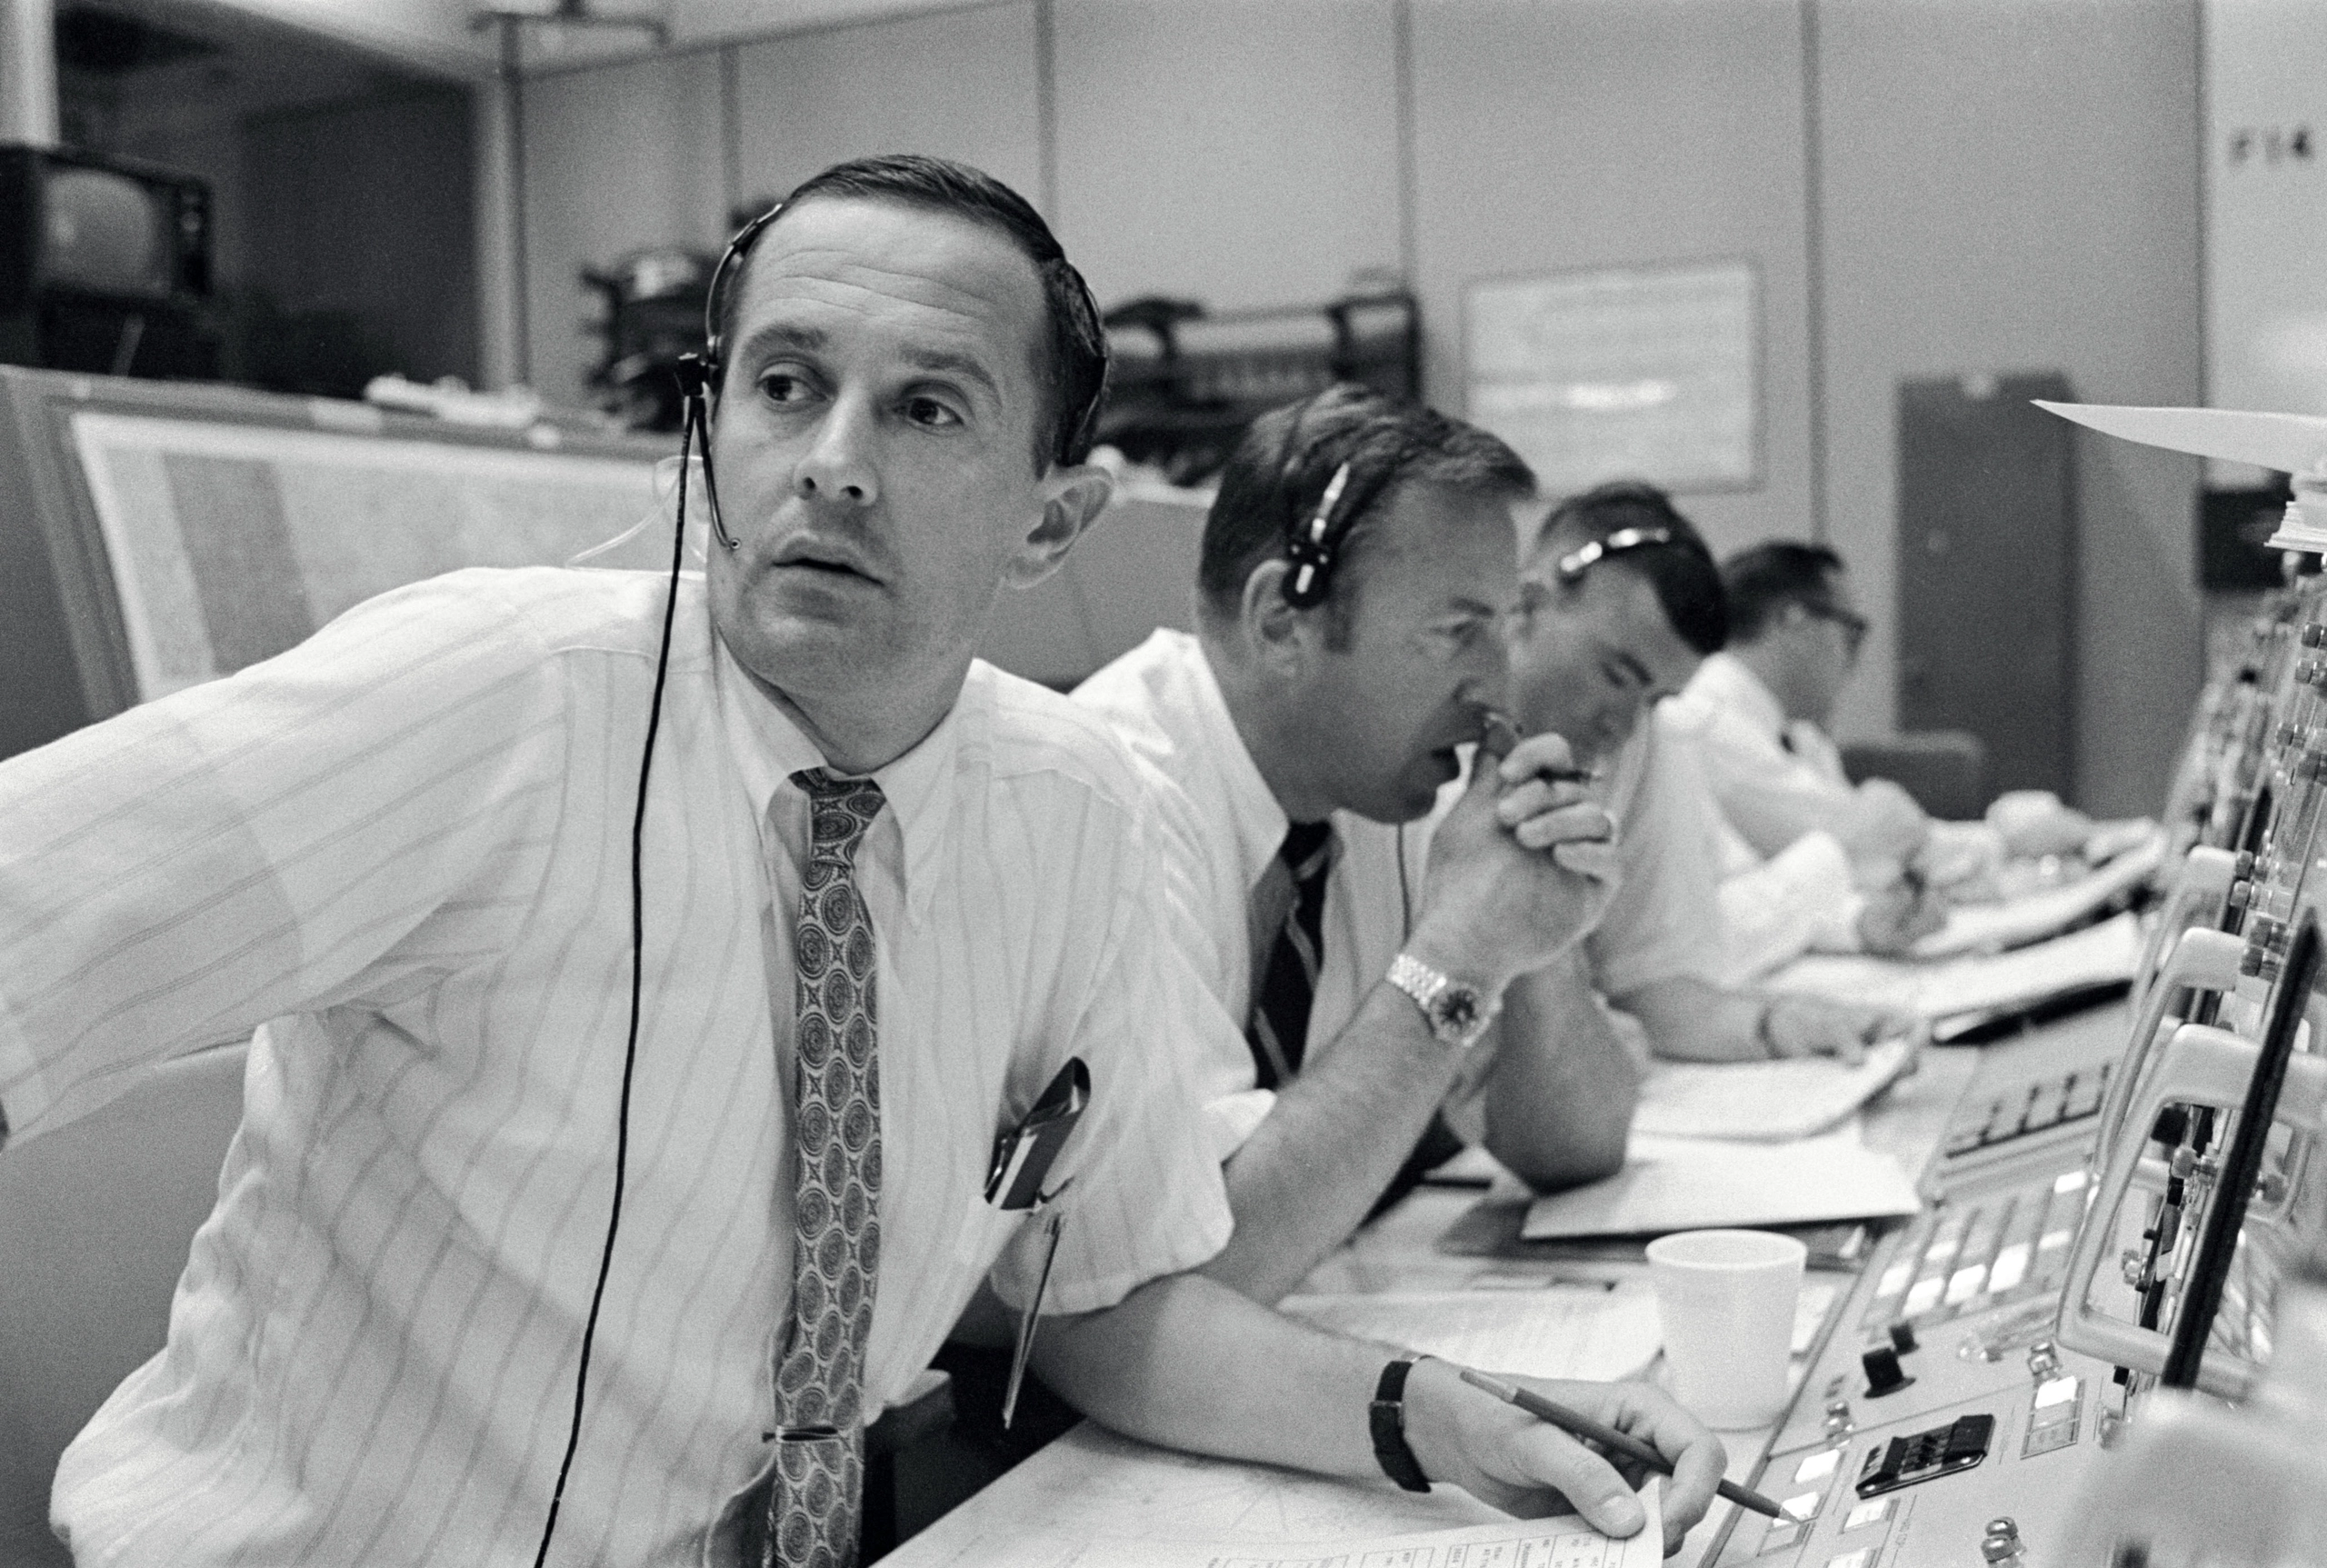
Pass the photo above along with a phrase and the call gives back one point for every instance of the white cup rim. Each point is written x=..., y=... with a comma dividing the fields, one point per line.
x=1752, y=1250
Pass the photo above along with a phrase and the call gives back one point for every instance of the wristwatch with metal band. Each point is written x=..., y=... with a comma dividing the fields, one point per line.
x=1458, y=1014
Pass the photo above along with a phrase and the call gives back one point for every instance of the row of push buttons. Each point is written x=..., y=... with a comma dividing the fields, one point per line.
x=1954, y=1261
x=2049, y=1103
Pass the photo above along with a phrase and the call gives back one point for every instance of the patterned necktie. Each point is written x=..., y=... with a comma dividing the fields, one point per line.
x=1279, y=1024
x=814, y=1503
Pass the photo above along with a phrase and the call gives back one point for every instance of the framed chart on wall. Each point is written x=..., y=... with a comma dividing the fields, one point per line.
x=1642, y=372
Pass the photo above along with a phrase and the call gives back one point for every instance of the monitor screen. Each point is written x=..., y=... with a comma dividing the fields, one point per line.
x=104, y=232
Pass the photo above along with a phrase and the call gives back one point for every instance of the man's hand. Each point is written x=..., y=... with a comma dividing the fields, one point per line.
x=2033, y=821
x=1501, y=1454
x=1885, y=831
x=1896, y=917
x=1518, y=869
x=1794, y=1025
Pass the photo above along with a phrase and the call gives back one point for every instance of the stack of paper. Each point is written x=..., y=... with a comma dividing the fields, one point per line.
x=1974, y=986
x=1765, y=1101
x=1992, y=927
x=1689, y=1184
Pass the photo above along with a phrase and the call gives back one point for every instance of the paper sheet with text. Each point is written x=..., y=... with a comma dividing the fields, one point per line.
x=1762, y=1101
x=1579, y=1332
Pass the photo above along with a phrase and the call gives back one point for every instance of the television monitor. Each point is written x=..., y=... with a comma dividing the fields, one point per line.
x=75, y=224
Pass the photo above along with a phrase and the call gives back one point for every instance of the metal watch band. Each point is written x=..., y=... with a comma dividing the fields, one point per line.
x=1444, y=1002
x=1387, y=1417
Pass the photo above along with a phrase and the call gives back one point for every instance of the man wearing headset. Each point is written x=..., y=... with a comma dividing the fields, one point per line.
x=1354, y=576
x=885, y=899
x=1618, y=602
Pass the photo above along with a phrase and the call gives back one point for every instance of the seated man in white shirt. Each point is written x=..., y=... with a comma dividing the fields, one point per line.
x=770, y=1004
x=1759, y=709
x=1619, y=603
x=1356, y=568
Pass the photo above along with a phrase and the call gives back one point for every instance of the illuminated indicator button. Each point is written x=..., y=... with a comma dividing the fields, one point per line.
x=1785, y=1537
x=1966, y=1284
x=1926, y=1295
x=2053, y=1241
x=1817, y=1467
x=2069, y=1180
x=2011, y=1267
x=1861, y=1558
x=2059, y=1391
x=1803, y=1507
x=1894, y=1279
x=1867, y=1514
x=1944, y=1246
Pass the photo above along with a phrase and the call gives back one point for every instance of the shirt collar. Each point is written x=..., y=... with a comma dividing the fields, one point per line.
x=1253, y=806
x=1731, y=684
x=769, y=748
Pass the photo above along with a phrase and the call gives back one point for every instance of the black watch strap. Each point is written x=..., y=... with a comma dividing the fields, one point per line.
x=1387, y=1416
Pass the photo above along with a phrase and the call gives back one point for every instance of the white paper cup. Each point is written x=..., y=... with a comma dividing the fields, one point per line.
x=1725, y=1304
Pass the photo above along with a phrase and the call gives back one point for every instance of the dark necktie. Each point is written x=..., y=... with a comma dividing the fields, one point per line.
x=817, y=1494
x=1279, y=1024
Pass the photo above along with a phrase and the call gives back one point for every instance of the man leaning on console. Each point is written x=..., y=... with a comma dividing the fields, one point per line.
x=1392, y=852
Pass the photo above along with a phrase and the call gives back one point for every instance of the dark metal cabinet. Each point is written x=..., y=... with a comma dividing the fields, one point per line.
x=1987, y=572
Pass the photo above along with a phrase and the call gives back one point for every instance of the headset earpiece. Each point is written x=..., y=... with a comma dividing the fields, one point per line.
x=1313, y=546
x=1575, y=563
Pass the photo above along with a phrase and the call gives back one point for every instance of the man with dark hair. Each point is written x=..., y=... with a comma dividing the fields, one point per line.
x=1619, y=603
x=1355, y=571
x=774, y=1011
x=1758, y=710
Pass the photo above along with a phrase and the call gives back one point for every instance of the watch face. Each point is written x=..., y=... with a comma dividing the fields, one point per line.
x=1458, y=1010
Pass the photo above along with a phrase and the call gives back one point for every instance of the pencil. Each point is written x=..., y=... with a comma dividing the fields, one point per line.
x=1580, y=1425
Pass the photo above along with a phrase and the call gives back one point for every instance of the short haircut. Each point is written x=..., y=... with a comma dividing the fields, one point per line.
x=1764, y=579
x=1277, y=476
x=1071, y=357
x=1680, y=569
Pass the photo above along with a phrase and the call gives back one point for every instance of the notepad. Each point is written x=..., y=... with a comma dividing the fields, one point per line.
x=2032, y=918
x=1762, y=1101
x=1689, y=1184
x=1553, y=1330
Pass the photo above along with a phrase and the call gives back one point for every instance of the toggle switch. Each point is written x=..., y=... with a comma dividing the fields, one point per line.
x=1883, y=1373
x=2043, y=1360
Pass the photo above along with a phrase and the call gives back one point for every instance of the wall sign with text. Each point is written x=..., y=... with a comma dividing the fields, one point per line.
x=1640, y=373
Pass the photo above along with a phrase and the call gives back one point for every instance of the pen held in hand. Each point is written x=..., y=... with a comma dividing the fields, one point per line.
x=1578, y=1424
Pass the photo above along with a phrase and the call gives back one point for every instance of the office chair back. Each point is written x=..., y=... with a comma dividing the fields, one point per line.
x=96, y=1220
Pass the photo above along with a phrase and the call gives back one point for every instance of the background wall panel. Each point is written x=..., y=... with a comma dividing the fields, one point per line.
x=2012, y=185
x=617, y=157
x=1554, y=135
x=1243, y=154
x=959, y=83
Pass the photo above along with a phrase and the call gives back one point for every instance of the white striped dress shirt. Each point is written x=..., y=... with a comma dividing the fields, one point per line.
x=402, y=851
x=1222, y=826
